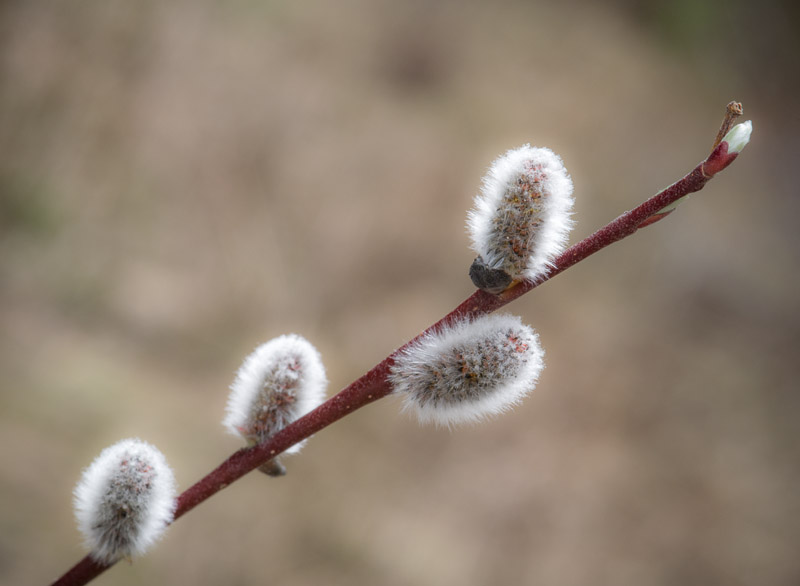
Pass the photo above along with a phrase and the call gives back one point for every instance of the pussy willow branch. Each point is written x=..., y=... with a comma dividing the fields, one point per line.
x=373, y=385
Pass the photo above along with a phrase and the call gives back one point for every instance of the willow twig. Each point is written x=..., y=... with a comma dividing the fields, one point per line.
x=374, y=385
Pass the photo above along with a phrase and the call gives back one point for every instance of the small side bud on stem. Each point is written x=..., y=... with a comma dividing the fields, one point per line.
x=274, y=468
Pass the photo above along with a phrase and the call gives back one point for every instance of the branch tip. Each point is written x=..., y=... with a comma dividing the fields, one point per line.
x=732, y=111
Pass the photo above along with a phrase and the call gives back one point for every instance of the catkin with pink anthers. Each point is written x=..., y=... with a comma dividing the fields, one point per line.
x=279, y=382
x=124, y=500
x=468, y=371
x=521, y=218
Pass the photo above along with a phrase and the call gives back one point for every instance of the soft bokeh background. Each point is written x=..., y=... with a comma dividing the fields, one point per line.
x=181, y=180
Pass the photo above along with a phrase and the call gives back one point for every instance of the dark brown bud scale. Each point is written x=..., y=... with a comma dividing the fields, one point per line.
x=486, y=278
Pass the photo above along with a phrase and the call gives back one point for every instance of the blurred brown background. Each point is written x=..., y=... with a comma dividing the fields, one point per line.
x=182, y=180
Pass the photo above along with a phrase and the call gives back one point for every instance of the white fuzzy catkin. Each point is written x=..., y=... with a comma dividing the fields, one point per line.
x=521, y=219
x=468, y=371
x=278, y=383
x=124, y=500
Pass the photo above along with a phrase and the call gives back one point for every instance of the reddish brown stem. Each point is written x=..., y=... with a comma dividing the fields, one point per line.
x=83, y=572
x=374, y=385
x=732, y=111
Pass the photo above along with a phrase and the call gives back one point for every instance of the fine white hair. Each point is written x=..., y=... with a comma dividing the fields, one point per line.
x=278, y=383
x=469, y=370
x=124, y=500
x=522, y=217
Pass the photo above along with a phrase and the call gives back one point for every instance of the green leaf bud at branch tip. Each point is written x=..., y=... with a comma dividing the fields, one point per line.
x=738, y=137
x=726, y=149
